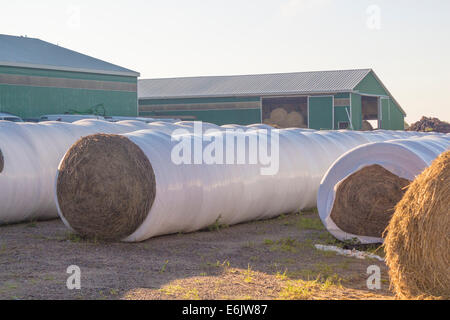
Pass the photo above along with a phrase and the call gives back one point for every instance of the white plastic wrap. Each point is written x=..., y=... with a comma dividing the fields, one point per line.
x=32, y=152
x=405, y=158
x=191, y=197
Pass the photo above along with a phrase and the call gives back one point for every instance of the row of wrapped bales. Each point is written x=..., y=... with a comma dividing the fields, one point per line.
x=30, y=154
x=127, y=187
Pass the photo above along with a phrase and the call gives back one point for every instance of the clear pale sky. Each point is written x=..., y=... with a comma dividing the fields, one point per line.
x=405, y=42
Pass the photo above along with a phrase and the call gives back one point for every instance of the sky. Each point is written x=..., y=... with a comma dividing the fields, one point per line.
x=405, y=42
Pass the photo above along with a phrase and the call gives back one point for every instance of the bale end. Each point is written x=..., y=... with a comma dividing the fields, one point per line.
x=105, y=187
x=365, y=201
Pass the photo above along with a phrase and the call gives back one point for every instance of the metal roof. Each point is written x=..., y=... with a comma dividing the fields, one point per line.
x=257, y=84
x=35, y=53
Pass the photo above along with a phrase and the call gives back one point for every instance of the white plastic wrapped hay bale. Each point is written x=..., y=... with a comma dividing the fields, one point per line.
x=120, y=202
x=358, y=193
x=31, y=153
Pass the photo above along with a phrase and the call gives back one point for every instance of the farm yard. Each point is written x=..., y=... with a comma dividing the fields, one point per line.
x=224, y=154
x=269, y=259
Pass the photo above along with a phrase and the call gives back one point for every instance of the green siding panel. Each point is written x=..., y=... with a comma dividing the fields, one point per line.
x=219, y=117
x=321, y=112
x=32, y=102
x=343, y=95
x=356, y=111
x=370, y=85
x=385, y=114
x=340, y=115
x=397, y=120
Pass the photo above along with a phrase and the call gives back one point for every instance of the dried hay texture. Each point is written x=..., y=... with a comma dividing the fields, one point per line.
x=282, y=119
x=106, y=187
x=417, y=240
x=278, y=115
x=366, y=126
x=365, y=201
x=294, y=119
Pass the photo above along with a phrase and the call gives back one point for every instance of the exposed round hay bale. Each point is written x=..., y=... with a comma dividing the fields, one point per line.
x=366, y=126
x=293, y=119
x=105, y=187
x=278, y=115
x=365, y=201
x=417, y=240
x=2, y=161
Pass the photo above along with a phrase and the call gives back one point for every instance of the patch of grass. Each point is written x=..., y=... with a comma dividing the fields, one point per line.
x=31, y=224
x=114, y=292
x=3, y=248
x=179, y=291
x=281, y=276
x=307, y=289
x=217, y=225
x=73, y=237
x=305, y=223
x=298, y=290
x=192, y=294
x=163, y=268
x=285, y=244
x=172, y=290
x=248, y=275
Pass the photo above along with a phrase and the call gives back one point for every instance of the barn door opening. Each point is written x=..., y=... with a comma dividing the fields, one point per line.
x=285, y=112
x=370, y=110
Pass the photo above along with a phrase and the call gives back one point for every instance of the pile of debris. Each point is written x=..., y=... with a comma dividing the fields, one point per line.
x=430, y=125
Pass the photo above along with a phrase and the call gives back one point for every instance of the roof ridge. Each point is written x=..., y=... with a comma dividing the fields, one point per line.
x=259, y=74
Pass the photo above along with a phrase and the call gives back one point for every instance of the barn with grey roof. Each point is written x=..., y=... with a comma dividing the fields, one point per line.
x=37, y=78
x=339, y=99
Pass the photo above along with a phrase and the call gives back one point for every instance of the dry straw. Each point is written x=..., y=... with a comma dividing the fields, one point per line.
x=417, y=240
x=106, y=187
x=365, y=201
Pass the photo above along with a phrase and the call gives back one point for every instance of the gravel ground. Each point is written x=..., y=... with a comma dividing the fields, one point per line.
x=270, y=259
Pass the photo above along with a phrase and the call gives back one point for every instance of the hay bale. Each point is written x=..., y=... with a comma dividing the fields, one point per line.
x=2, y=161
x=365, y=201
x=417, y=241
x=366, y=126
x=105, y=187
x=278, y=116
x=294, y=119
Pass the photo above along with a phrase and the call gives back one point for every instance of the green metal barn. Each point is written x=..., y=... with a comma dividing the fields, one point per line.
x=37, y=77
x=341, y=99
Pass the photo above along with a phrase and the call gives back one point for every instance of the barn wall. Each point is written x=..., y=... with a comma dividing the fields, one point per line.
x=30, y=93
x=220, y=110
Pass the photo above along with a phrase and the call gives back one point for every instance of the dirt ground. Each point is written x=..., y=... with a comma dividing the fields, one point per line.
x=271, y=259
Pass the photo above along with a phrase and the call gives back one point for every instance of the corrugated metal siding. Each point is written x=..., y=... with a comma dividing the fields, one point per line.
x=259, y=84
x=44, y=96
